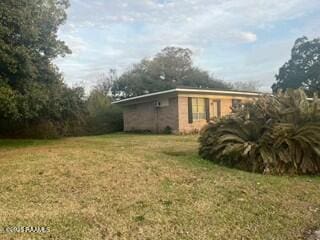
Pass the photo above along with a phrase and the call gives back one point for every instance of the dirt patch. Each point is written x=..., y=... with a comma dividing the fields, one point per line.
x=312, y=234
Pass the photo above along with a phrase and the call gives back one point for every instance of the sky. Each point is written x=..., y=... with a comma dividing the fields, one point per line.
x=235, y=40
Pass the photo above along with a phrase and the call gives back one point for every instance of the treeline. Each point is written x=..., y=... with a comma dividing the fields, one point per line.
x=35, y=101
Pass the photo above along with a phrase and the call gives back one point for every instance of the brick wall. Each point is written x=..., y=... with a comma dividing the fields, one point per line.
x=184, y=125
x=168, y=116
x=195, y=126
x=145, y=116
x=139, y=117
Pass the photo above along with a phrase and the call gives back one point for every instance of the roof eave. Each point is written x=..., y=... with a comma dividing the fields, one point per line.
x=190, y=90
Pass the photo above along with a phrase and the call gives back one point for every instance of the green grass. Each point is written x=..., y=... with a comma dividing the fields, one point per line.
x=125, y=186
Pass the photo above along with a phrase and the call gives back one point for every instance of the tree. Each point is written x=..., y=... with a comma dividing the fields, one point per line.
x=246, y=86
x=170, y=68
x=103, y=117
x=303, y=68
x=28, y=40
x=105, y=82
x=29, y=81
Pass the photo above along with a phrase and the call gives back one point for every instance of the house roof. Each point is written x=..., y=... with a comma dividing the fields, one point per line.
x=192, y=90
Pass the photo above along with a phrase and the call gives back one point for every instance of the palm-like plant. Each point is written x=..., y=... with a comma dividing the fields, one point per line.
x=277, y=134
x=291, y=148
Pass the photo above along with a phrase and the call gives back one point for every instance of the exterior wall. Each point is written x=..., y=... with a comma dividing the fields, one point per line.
x=146, y=117
x=168, y=116
x=139, y=117
x=195, y=126
x=142, y=115
x=226, y=105
x=184, y=125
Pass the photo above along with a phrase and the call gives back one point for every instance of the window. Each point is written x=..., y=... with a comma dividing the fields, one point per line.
x=236, y=103
x=198, y=108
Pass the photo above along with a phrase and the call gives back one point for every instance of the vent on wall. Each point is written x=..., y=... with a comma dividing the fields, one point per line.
x=161, y=103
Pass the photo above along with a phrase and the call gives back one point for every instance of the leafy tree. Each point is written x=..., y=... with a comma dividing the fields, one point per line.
x=28, y=37
x=303, y=69
x=103, y=117
x=170, y=68
x=106, y=81
x=32, y=91
x=246, y=86
x=8, y=103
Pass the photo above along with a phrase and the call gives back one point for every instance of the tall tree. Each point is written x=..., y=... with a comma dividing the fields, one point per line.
x=105, y=82
x=303, y=68
x=170, y=68
x=103, y=117
x=28, y=40
x=28, y=78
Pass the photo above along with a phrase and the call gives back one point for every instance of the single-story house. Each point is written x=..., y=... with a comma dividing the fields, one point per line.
x=183, y=110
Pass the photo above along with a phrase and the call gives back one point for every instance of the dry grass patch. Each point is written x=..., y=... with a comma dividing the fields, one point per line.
x=146, y=187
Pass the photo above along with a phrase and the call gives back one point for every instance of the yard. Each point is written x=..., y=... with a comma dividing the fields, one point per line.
x=125, y=186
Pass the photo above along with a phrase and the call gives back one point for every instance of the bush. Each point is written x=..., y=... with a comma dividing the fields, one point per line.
x=103, y=117
x=107, y=121
x=40, y=112
x=41, y=130
x=167, y=130
x=276, y=134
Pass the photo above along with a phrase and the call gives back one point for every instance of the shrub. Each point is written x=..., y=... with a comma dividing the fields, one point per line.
x=167, y=130
x=41, y=130
x=276, y=134
x=103, y=117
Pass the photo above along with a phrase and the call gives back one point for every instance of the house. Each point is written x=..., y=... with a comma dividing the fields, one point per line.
x=182, y=110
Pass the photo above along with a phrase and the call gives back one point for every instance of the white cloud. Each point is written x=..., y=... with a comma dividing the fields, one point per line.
x=75, y=43
x=107, y=34
x=248, y=37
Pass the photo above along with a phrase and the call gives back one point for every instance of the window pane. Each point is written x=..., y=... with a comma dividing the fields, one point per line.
x=194, y=105
x=198, y=108
x=202, y=115
x=194, y=102
x=194, y=108
x=236, y=103
x=195, y=116
x=201, y=105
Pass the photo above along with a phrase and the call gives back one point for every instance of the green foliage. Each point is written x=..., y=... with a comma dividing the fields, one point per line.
x=170, y=68
x=34, y=101
x=8, y=103
x=167, y=130
x=28, y=40
x=276, y=134
x=102, y=116
x=303, y=69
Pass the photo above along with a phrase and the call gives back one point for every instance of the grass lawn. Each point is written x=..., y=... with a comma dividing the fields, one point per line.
x=145, y=187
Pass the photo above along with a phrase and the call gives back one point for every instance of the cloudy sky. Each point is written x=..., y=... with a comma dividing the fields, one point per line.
x=236, y=40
